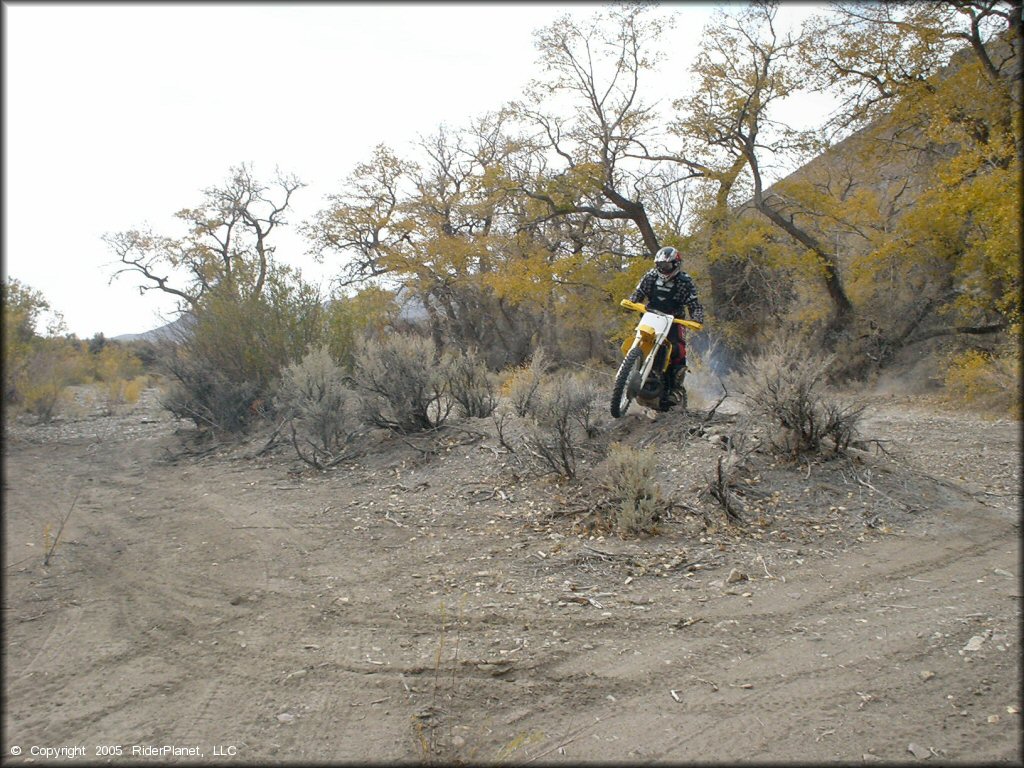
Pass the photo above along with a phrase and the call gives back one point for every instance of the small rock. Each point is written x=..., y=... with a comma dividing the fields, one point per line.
x=867, y=757
x=919, y=752
x=1001, y=572
x=993, y=719
x=974, y=644
x=927, y=675
x=285, y=717
x=736, y=575
x=495, y=669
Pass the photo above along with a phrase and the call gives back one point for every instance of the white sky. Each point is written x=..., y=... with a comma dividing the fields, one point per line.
x=116, y=116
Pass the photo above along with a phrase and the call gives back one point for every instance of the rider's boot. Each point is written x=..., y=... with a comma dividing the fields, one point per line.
x=673, y=393
x=668, y=396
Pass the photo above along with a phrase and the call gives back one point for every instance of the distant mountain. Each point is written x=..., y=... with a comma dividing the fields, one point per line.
x=172, y=330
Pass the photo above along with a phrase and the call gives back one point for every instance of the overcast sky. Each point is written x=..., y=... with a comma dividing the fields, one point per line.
x=118, y=115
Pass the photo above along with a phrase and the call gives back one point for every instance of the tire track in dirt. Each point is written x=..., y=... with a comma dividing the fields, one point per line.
x=758, y=715
x=354, y=613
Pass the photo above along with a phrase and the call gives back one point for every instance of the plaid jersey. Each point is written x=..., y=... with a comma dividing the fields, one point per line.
x=672, y=296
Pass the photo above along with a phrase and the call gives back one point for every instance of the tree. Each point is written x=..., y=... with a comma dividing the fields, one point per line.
x=937, y=89
x=227, y=245
x=746, y=67
x=596, y=68
x=876, y=55
x=443, y=230
x=23, y=306
x=364, y=222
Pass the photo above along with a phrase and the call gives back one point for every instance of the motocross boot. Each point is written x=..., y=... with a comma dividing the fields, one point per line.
x=674, y=393
x=668, y=394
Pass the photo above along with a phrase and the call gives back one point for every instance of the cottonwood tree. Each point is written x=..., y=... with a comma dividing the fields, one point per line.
x=935, y=89
x=227, y=245
x=591, y=119
x=250, y=316
x=746, y=66
x=875, y=55
x=440, y=229
x=366, y=222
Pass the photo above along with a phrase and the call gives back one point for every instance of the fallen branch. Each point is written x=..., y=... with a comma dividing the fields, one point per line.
x=60, y=530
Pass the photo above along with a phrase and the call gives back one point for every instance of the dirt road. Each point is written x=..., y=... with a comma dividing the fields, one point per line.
x=432, y=602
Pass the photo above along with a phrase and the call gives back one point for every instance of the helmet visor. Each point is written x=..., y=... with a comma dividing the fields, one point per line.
x=665, y=267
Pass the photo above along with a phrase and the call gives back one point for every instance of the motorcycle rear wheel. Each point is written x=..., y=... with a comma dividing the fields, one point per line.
x=626, y=379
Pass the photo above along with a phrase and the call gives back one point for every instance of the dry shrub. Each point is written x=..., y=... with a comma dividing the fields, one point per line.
x=48, y=371
x=119, y=373
x=469, y=383
x=318, y=406
x=989, y=382
x=122, y=392
x=786, y=385
x=563, y=415
x=524, y=381
x=635, y=499
x=401, y=385
x=202, y=393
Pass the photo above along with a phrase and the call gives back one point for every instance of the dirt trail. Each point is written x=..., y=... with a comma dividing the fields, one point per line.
x=435, y=604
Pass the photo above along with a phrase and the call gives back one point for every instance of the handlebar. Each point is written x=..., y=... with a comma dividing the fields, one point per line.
x=637, y=307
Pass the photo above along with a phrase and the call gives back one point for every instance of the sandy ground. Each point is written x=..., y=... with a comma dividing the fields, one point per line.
x=434, y=601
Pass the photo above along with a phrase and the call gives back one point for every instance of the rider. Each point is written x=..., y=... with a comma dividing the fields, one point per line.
x=666, y=288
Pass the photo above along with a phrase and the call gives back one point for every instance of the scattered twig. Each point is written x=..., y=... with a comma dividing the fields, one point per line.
x=882, y=493
x=271, y=440
x=607, y=555
x=714, y=686
x=722, y=492
x=60, y=530
x=562, y=744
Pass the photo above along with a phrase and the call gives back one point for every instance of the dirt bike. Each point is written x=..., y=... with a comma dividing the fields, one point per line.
x=642, y=374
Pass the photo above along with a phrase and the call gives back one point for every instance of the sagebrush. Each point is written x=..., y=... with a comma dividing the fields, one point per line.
x=563, y=417
x=319, y=407
x=400, y=382
x=628, y=476
x=786, y=386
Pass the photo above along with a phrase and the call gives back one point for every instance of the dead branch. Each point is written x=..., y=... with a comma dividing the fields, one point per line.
x=60, y=530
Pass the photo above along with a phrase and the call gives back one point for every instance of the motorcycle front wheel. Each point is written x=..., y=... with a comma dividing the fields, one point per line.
x=627, y=382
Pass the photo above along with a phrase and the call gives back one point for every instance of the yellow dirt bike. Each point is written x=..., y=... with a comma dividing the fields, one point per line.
x=641, y=376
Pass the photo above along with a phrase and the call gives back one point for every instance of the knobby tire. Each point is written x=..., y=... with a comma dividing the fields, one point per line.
x=629, y=363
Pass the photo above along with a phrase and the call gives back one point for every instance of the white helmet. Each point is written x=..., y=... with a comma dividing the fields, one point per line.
x=668, y=261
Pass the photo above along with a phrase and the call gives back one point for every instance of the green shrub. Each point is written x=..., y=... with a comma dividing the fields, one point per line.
x=226, y=363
